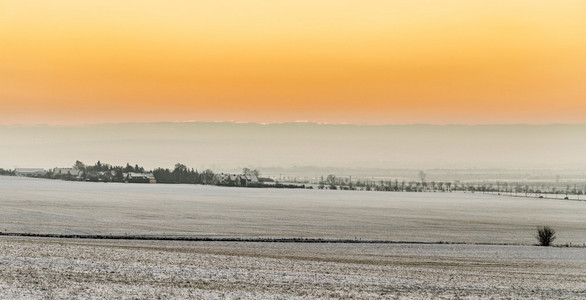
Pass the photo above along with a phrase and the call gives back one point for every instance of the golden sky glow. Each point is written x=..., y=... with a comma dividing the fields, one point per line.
x=466, y=61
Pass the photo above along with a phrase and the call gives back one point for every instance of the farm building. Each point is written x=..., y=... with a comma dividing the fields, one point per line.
x=139, y=177
x=30, y=172
x=236, y=179
x=66, y=171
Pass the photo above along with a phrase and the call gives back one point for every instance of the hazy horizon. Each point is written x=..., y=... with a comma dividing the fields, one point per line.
x=228, y=145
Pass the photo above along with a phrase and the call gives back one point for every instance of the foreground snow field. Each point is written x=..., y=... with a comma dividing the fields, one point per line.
x=53, y=206
x=34, y=268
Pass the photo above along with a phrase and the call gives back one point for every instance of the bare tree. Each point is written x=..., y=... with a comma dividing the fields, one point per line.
x=331, y=179
x=79, y=165
x=422, y=176
x=545, y=235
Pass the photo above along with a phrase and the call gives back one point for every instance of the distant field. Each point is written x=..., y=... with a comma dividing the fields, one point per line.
x=52, y=206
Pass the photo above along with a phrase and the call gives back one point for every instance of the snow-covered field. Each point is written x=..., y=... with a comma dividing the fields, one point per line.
x=43, y=268
x=48, y=268
x=53, y=206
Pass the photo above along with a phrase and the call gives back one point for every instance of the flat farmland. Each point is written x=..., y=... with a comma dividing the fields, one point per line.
x=57, y=268
x=60, y=207
x=42, y=268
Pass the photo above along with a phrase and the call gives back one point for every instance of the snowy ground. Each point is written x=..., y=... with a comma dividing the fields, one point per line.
x=49, y=268
x=42, y=268
x=53, y=206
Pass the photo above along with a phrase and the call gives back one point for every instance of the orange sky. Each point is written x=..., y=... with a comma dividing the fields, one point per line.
x=466, y=61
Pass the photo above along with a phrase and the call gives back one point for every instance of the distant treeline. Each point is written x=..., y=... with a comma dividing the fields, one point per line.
x=182, y=174
x=536, y=189
x=108, y=173
x=7, y=172
x=102, y=172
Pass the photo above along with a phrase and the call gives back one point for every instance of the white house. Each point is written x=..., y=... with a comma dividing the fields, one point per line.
x=236, y=179
x=30, y=172
x=251, y=178
x=66, y=171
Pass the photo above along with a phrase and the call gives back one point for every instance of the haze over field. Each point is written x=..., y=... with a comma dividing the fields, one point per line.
x=230, y=146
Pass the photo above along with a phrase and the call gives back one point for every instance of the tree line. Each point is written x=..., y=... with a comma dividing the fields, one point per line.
x=7, y=172
x=182, y=174
x=514, y=188
x=104, y=172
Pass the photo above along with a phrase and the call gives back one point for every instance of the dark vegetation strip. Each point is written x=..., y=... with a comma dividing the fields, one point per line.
x=255, y=240
x=212, y=239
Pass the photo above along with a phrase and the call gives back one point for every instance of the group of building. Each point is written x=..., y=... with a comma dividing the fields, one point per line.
x=237, y=179
x=133, y=177
x=80, y=175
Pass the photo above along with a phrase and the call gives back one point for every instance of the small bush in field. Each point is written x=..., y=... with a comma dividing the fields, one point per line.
x=545, y=235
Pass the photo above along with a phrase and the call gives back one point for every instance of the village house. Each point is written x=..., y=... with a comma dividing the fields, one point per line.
x=30, y=172
x=236, y=179
x=134, y=177
x=250, y=179
x=58, y=172
x=98, y=175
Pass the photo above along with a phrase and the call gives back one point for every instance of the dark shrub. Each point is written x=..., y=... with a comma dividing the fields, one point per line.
x=545, y=235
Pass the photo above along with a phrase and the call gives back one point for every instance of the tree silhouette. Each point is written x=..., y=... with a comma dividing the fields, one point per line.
x=79, y=165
